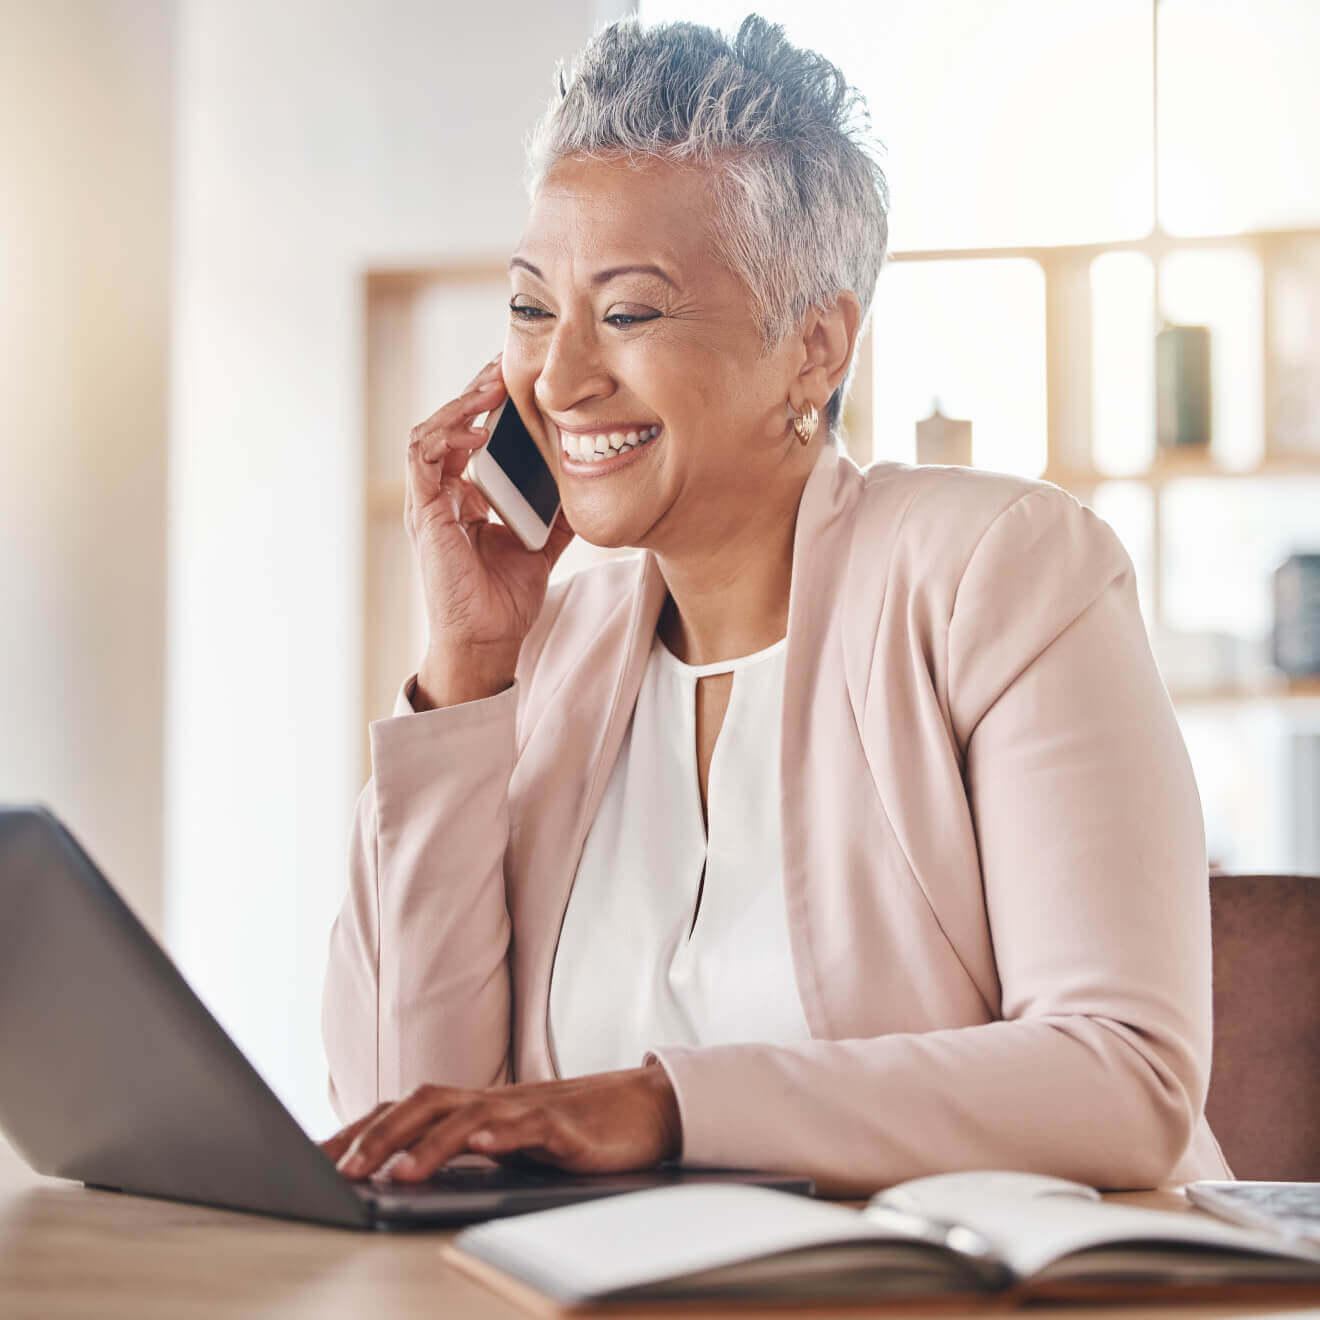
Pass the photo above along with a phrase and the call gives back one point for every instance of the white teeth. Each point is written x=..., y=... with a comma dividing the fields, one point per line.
x=593, y=449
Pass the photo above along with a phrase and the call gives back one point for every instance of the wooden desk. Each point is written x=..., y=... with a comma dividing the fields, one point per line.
x=66, y=1251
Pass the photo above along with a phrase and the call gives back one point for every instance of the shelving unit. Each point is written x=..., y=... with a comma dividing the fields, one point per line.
x=1070, y=461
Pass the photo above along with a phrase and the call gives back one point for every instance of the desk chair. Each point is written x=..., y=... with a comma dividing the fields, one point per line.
x=1264, y=1100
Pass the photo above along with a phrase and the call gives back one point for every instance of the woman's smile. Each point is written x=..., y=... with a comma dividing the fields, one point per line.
x=594, y=453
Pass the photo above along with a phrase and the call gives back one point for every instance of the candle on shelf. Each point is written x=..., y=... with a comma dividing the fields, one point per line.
x=944, y=440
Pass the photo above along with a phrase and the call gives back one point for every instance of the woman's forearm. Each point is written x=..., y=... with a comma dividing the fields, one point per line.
x=417, y=986
x=1074, y=1097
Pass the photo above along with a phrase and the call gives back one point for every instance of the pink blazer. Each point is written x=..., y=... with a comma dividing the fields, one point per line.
x=993, y=855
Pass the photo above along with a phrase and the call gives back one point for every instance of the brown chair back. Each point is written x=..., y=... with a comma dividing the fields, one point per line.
x=1264, y=1100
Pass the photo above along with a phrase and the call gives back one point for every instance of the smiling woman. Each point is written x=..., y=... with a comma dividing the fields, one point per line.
x=625, y=320
x=847, y=828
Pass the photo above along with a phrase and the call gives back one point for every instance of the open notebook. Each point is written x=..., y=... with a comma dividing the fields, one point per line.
x=992, y=1233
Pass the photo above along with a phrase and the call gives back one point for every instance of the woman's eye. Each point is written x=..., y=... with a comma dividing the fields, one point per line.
x=620, y=320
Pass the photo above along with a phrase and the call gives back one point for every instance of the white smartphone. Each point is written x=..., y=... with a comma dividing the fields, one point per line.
x=510, y=472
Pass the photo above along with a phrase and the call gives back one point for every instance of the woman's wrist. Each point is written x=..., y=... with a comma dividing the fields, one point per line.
x=432, y=690
x=671, y=1121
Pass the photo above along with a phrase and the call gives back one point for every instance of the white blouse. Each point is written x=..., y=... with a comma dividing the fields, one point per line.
x=628, y=977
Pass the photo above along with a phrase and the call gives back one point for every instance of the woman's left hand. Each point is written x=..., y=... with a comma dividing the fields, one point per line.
x=605, y=1123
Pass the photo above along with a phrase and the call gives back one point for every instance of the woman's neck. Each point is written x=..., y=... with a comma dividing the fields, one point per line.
x=730, y=598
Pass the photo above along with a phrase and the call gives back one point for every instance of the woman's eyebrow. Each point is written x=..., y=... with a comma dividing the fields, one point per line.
x=604, y=276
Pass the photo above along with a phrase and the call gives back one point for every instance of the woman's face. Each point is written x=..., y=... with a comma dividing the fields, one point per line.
x=597, y=344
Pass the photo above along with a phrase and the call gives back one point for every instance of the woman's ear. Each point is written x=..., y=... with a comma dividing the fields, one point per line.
x=829, y=338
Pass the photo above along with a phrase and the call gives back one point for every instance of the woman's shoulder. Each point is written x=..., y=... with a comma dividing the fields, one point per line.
x=962, y=555
x=976, y=571
x=949, y=496
x=934, y=520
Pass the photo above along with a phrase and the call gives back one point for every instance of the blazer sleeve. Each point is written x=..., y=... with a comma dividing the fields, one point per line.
x=417, y=984
x=1092, y=853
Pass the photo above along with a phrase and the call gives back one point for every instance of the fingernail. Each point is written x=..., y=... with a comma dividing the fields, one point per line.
x=352, y=1165
x=482, y=1138
x=406, y=1164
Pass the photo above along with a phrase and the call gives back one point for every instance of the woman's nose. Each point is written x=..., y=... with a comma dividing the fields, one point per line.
x=571, y=370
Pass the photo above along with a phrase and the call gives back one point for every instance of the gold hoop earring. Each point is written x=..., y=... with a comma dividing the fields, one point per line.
x=805, y=423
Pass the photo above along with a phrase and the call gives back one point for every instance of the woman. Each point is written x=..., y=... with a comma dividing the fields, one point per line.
x=848, y=828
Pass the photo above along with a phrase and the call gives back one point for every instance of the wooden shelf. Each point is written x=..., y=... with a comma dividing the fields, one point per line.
x=409, y=281
x=1179, y=467
x=1267, y=691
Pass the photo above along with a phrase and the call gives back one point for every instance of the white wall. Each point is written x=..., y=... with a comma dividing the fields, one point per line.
x=317, y=139
x=85, y=131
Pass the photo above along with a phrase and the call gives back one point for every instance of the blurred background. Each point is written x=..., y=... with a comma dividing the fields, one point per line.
x=244, y=247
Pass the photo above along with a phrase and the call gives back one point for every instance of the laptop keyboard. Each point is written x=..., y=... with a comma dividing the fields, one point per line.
x=471, y=1178
x=497, y=1179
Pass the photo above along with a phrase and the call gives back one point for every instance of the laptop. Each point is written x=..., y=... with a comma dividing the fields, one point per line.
x=115, y=1075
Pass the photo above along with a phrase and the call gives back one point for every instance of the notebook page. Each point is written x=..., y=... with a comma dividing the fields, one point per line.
x=1041, y=1234
x=595, y=1247
x=1031, y=1231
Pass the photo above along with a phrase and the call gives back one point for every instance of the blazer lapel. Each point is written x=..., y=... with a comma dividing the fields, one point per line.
x=594, y=715
x=819, y=553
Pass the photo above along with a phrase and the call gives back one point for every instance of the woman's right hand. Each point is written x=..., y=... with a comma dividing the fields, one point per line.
x=483, y=589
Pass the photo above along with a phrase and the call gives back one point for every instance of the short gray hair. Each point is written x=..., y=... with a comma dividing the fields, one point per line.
x=801, y=203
